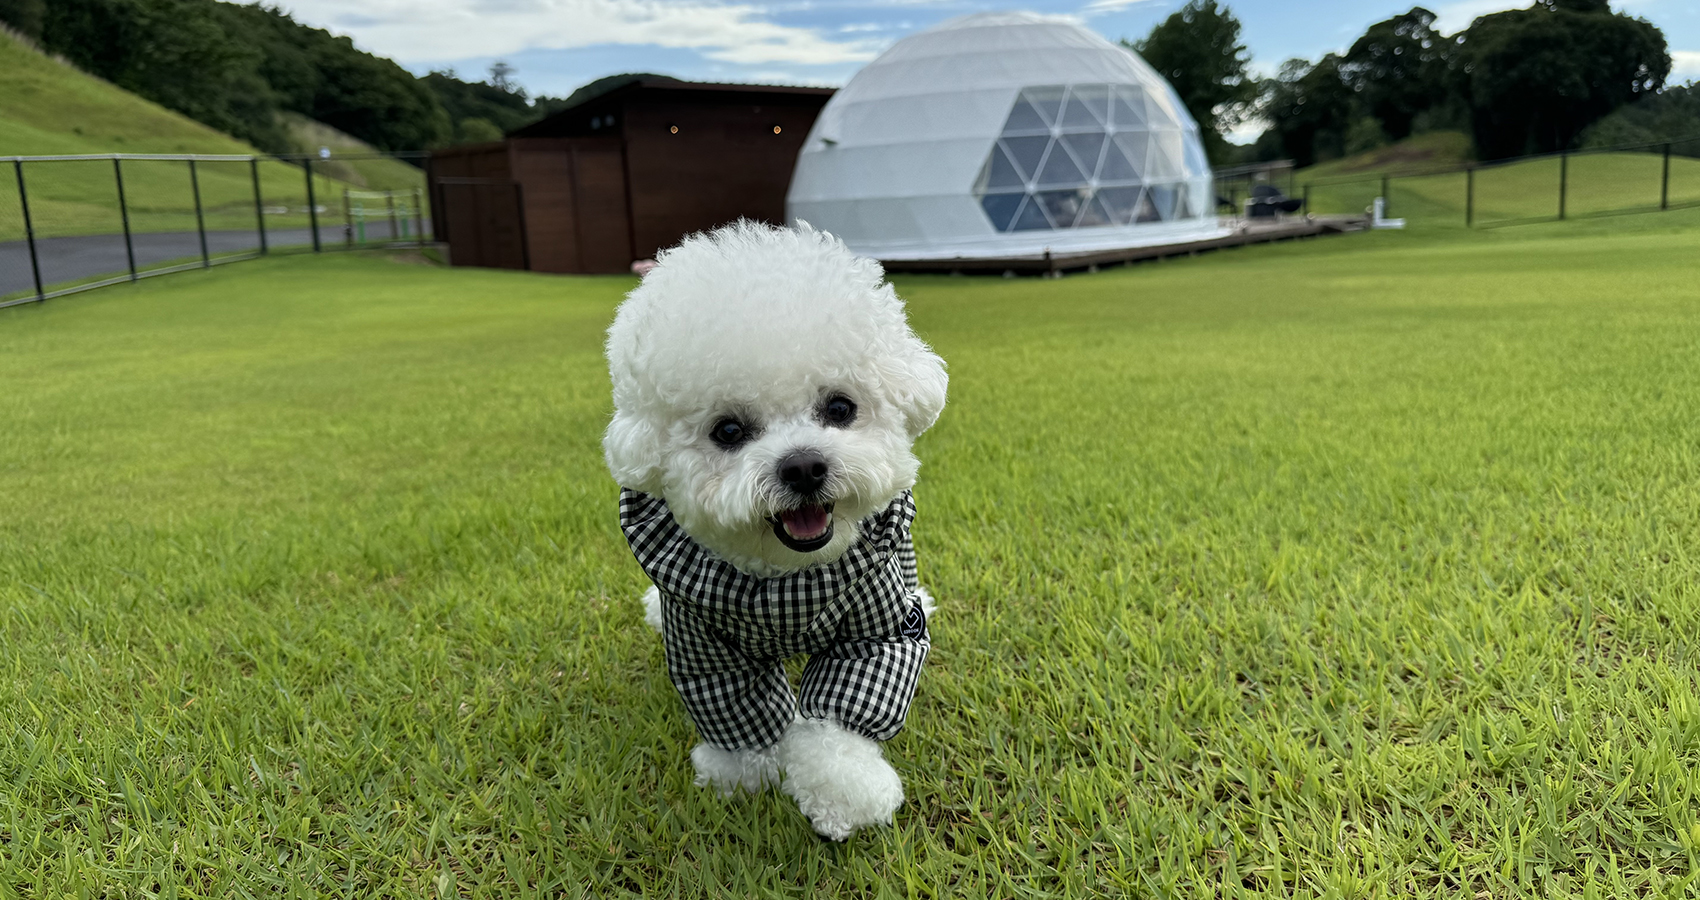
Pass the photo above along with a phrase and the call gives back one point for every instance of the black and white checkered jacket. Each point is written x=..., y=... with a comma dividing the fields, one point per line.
x=727, y=633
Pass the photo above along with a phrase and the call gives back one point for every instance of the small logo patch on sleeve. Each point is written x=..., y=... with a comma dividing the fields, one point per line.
x=915, y=623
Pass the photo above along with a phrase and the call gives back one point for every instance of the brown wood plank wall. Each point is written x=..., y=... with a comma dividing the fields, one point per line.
x=723, y=163
x=640, y=172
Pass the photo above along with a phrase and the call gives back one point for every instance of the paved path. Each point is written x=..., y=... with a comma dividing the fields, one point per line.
x=72, y=258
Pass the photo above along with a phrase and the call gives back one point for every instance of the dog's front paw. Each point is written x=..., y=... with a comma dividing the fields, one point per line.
x=652, y=608
x=839, y=779
x=928, y=604
x=728, y=770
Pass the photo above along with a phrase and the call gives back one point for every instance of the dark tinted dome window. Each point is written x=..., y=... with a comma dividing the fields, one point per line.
x=1088, y=155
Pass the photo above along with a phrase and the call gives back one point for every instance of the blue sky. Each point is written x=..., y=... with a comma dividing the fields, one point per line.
x=557, y=45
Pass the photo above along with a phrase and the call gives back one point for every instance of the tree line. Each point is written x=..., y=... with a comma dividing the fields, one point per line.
x=1554, y=76
x=235, y=68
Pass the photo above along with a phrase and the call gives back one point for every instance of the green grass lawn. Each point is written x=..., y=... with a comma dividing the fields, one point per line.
x=48, y=108
x=1596, y=184
x=1360, y=567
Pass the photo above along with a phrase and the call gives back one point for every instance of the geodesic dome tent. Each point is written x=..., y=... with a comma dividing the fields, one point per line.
x=1004, y=135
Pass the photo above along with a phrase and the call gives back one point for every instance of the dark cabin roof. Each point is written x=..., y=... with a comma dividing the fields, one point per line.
x=570, y=122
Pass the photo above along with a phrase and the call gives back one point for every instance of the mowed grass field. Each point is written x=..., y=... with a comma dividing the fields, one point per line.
x=1361, y=567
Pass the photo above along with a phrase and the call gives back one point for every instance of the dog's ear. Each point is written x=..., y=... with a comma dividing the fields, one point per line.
x=632, y=447
x=916, y=384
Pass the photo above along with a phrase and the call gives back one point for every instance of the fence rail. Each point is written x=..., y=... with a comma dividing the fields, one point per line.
x=1629, y=178
x=75, y=223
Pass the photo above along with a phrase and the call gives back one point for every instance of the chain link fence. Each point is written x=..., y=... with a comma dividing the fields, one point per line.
x=72, y=223
x=1575, y=184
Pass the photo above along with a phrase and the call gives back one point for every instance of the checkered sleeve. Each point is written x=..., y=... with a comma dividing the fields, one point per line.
x=866, y=685
x=906, y=563
x=737, y=702
x=866, y=679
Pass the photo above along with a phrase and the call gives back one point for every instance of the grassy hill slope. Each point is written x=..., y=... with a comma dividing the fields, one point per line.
x=49, y=108
x=1595, y=183
x=1420, y=153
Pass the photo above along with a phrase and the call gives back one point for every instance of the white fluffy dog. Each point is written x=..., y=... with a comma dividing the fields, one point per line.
x=767, y=391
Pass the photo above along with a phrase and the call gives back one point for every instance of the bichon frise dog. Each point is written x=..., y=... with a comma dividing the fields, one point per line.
x=767, y=391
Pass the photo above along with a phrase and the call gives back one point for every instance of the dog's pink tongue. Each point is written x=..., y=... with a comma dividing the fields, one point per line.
x=805, y=524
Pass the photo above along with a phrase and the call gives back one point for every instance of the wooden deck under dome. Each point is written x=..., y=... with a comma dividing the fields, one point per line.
x=1056, y=264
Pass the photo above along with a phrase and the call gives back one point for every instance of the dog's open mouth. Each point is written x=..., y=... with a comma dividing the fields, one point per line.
x=804, y=529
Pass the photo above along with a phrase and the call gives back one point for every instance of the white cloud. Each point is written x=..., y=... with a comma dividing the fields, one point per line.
x=1685, y=65
x=1452, y=18
x=1100, y=7
x=414, y=31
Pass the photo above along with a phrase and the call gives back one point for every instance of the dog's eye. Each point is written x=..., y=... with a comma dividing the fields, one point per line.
x=729, y=432
x=838, y=411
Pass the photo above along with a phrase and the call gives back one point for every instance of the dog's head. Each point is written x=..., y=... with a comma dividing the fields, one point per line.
x=768, y=387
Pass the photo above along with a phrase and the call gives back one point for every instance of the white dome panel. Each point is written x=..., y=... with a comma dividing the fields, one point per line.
x=1004, y=134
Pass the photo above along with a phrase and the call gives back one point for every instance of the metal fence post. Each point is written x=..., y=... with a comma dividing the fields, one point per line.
x=29, y=228
x=1307, y=198
x=200, y=223
x=1664, y=183
x=1469, y=196
x=259, y=204
x=312, y=205
x=389, y=201
x=418, y=217
x=124, y=213
x=348, y=222
x=1386, y=196
x=1563, y=180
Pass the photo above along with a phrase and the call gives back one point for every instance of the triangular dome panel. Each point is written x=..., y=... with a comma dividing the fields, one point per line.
x=1001, y=208
x=1127, y=110
x=1119, y=203
x=1000, y=172
x=1087, y=107
x=1086, y=147
x=1027, y=153
x=1031, y=218
x=1047, y=100
x=1059, y=169
x=1025, y=119
x=1063, y=207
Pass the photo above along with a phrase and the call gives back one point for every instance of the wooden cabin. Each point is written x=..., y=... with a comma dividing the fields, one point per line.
x=621, y=175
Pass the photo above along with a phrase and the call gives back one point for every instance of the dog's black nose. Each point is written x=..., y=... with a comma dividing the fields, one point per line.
x=803, y=472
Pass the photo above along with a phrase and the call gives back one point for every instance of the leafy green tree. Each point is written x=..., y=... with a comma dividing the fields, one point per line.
x=1311, y=108
x=374, y=99
x=474, y=130
x=236, y=67
x=174, y=52
x=1539, y=76
x=502, y=109
x=1673, y=114
x=1198, y=50
x=24, y=16
x=1399, y=68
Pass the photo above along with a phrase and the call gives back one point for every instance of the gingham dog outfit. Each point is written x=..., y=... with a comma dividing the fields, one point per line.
x=727, y=634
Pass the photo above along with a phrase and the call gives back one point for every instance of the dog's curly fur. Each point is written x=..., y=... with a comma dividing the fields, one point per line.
x=764, y=325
